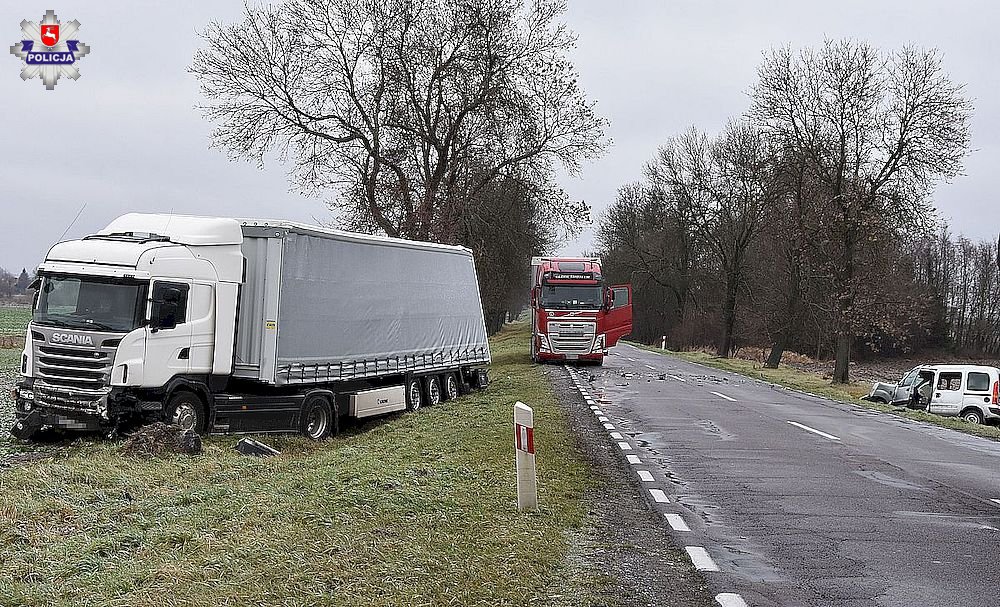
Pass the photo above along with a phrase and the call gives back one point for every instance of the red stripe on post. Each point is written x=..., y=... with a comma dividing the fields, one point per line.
x=525, y=439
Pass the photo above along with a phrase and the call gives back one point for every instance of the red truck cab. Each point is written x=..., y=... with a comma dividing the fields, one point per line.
x=574, y=315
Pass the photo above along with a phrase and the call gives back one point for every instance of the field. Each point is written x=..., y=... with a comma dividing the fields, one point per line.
x=415, y=509
x=13, y=320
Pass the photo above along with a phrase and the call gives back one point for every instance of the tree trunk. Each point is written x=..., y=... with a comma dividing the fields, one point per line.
x=841, y=373
x=729, y=315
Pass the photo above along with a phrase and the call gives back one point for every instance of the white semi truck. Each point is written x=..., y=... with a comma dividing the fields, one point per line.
x=228, y=326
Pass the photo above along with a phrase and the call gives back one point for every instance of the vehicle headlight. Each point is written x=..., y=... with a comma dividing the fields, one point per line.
x=599, y=343
x=543, y=342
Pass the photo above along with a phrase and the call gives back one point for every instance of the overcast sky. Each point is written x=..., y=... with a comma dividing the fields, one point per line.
x=126, y=136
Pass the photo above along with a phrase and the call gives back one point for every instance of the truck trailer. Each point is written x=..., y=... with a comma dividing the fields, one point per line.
x=232, y=326
x=575, y=315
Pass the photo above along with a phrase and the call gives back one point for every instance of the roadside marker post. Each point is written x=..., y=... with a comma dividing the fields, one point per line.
x=524, y=450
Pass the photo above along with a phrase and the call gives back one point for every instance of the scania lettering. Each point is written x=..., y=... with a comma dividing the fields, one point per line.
x=574, y=314
x=231, y=326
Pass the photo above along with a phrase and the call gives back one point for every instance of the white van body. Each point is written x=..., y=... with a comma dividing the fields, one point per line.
x=968, y=391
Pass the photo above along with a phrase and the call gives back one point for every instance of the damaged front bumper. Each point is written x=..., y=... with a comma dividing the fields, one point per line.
x=32, y=414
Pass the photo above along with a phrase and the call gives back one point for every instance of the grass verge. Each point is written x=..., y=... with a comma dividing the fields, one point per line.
x=811, y=382
x=416, y=509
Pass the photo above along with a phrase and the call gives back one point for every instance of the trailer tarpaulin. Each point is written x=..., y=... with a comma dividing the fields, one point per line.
x=347, y=304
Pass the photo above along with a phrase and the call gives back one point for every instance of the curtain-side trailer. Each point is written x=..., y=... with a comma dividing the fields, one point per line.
x=227, y=325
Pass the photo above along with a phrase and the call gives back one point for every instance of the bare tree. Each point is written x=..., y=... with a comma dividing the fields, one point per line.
x=407, y=108
x=878, y=131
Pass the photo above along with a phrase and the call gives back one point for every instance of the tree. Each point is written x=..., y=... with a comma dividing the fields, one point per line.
x=23, y=281
x=406, y=107
x=877, y=131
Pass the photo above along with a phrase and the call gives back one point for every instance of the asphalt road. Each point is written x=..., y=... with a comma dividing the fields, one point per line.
x=798, y=500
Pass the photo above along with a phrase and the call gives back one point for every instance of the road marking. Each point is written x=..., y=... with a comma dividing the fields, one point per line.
x=630, y=358
x=721, y=395
x=730, y=599
x=659, y=496
x=997, y=502
x=677, y=523
x=678, y=378
x=608, y=426
x=700, y=558
x=598, y=412
x=651, y=367
x=633, y=459
x=603, y=419
x=617, y=436
x=814, y=431
x=624, y=446
x=645, y=476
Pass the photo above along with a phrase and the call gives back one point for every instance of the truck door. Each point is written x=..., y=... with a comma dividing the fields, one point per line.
x=168, y=335
x=946, y=399
x=618, y=320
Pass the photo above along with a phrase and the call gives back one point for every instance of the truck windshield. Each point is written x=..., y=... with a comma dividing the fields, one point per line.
x=90, y=303
x=571, y=297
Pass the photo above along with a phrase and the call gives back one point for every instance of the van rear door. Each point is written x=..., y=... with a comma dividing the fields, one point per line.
x=946, y=399
x=978, y=389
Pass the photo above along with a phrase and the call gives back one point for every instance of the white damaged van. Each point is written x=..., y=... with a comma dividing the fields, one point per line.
x=971, y=392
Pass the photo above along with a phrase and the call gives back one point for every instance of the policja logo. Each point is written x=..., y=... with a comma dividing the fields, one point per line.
x=48, y=51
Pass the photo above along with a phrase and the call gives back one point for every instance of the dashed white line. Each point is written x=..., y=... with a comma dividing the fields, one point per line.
x=629, y=358
x=730, y=599
x=645, y=476
x=659, y=496
x=700, y=558
x=603, y=419
x=814, y=431
x=677, y=377
x=676, y=522
x=633, y=459
x=624, y=446
x=995, y=501
x=721, y=395
x=617, y=436
x=598, y=412
x=608, y=426
x=651, y=367
x=594, y=407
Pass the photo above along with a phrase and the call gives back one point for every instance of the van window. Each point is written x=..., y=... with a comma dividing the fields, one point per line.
x=907, y=380
x=979, y=382
x=950, y=381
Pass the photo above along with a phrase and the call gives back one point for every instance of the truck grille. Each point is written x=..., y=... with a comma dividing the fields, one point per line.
x=572, y=337
x=71, y=378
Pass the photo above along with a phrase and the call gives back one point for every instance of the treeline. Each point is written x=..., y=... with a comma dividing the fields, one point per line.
x=11, y=285
x=807, y=224
x=426, y=119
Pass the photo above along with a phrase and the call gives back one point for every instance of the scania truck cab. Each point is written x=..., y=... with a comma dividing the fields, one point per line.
x=575, y=316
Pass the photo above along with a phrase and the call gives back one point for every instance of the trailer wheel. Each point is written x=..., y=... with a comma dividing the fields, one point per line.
x=433, y=390
x=450, y=386
x=187, y=411
x=317, y=421
x=414, y=394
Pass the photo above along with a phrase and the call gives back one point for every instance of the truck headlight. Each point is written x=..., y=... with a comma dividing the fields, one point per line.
x=599, y=344
x=543, y=342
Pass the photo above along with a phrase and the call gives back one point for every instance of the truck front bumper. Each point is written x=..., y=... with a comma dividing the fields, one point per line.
x=550, y=356
x=31, y=415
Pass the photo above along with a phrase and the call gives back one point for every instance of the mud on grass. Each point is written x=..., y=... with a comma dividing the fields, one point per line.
x=416, y=509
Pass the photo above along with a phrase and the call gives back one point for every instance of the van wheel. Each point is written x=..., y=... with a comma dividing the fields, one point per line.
x=973, y=416
x=186, y=411
x=317, y=420
x=433, y=390
x=414, y=395
x=450, y=386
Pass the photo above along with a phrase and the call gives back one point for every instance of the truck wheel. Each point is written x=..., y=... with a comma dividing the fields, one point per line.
x=186, y=411
x=414, y=395
x=450, y=386
x=972, y=416
x=433, y=390
x=317, y=420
